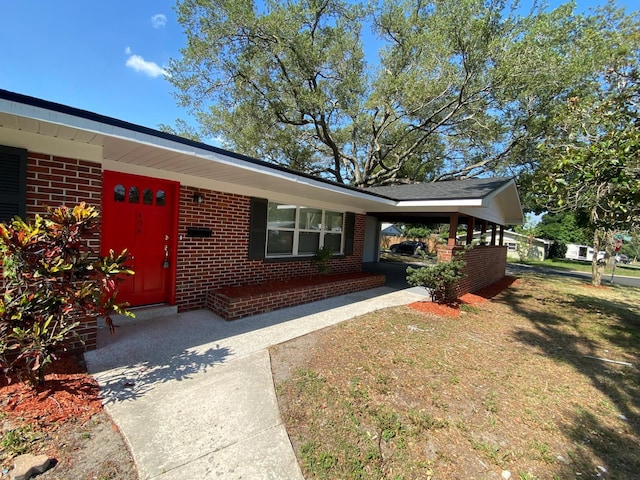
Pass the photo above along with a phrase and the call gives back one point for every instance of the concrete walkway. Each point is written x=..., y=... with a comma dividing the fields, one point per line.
x=193, y=394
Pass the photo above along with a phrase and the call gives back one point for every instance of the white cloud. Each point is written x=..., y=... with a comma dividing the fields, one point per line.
x=127, y=51
x=139, y=64
x=158, y=20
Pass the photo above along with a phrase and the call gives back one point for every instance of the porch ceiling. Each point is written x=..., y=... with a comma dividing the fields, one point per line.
x=144, y=150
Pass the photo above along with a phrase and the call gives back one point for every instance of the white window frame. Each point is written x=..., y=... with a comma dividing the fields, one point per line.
x=322, y=231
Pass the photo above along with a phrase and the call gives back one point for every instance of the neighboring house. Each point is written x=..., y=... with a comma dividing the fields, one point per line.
x=520, y=246
x=390, y=230
x=389, y=234
x=197, y=218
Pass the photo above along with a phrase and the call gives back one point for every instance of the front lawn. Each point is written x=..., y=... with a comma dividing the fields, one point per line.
x=542, y=382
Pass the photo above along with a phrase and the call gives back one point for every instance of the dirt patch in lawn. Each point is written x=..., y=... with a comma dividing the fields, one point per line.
x=63, y=418
x=541, y=382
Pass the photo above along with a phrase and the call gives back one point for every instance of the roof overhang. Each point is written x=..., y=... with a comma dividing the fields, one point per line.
x=46, y=127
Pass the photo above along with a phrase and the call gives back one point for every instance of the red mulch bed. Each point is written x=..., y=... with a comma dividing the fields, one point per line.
x=67, y=392
x=479, y=297
x=283, y=285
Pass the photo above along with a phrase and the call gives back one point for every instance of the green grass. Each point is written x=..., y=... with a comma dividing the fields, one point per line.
x=578, y=266
x=18, y=441
x=514, y=384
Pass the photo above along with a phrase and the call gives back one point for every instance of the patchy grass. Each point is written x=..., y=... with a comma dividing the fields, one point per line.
x=520, y=384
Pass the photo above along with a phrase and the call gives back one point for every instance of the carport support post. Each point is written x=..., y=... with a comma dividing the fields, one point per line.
x=501, y=235
x=471, y=223
x=483, y=232
x=453, y=229
x=493, y=234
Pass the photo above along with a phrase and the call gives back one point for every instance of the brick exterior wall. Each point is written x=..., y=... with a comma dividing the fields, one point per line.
x=206, y=264
x=53, y=181
x=203, y=264
x=485, y=265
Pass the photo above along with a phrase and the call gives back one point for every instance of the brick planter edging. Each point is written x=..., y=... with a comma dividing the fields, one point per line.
x=232, y=304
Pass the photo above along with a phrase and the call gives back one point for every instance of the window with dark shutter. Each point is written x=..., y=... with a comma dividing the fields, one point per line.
x=13, y=183
x=258, y=228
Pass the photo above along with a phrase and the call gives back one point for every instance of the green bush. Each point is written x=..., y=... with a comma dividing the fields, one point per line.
x=557, y=250
x=52, y=278
x=440, y=279
x=321, y=260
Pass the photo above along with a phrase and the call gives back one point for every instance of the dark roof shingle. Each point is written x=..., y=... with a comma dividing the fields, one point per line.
x=473, y=188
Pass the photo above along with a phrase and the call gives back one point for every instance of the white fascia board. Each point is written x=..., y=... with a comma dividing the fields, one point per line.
x=45, y=115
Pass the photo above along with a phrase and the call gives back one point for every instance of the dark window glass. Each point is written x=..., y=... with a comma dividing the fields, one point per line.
x=134, y=195
x=147, y=196
x=280, y=242
x=160, y=198
x=118, y=193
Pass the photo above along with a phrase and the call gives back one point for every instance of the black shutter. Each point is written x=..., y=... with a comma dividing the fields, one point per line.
x=349, y=232
x=13, y=183
x=258, y=228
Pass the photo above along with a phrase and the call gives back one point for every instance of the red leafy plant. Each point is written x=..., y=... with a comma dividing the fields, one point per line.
x=52, y=279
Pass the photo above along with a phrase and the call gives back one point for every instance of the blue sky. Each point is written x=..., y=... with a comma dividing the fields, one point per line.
x=106, y=57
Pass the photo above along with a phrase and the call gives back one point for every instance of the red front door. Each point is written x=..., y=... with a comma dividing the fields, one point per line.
x=139, y=214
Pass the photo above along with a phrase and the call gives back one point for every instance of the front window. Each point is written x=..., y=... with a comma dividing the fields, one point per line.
x=297, y=230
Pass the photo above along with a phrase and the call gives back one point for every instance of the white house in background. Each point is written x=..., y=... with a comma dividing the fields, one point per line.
x=390, y=230
x=535, y=248
x=581, y=252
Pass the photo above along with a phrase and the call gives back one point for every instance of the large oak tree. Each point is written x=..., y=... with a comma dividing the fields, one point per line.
x=400, y=91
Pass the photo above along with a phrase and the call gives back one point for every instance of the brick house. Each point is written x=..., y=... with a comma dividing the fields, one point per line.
x=197, y=218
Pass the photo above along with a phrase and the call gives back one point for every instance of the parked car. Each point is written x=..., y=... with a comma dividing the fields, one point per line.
x=622, y=258
x=408, y=247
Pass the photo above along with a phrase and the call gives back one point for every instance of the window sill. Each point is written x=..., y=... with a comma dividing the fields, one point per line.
x=298, y=258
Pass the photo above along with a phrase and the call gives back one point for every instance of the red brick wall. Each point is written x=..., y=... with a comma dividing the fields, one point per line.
x=209, y=263
x=54, y=181
x=484, y=265
x=202, y=263
x=233, y=308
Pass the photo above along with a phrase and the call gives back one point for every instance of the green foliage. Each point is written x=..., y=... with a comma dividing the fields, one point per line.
x=564, y=227
x=51, y=280
x=18, y=440
x=440, y=279
x=417, y=231
x=458, y=87
x=322, y=259
x=557, y=250
x=595, y=169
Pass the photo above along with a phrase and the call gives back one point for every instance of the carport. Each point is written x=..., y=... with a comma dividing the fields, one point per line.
x=487, y=204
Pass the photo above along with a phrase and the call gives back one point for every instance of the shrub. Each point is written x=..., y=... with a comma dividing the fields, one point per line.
x=440, y=279
x=321, y=260
x=51, y=279
x=557, y=250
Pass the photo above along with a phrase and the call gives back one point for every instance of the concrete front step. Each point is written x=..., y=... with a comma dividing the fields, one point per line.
x=144, y=313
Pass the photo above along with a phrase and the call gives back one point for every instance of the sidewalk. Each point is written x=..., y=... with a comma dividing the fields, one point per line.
x=193, y=394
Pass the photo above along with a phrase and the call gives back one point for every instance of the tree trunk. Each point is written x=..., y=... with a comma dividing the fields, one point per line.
x=597, y=269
